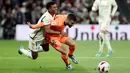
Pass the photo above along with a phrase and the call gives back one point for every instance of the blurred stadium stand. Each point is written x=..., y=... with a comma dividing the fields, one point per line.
x=13, y=12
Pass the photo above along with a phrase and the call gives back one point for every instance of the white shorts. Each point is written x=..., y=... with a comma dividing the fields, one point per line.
x=35, y=45
x=104, y=26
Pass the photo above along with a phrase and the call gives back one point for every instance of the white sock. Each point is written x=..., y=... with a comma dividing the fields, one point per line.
x=101, y=45
x=26, y=52
x=107, y=42
x=101, y=42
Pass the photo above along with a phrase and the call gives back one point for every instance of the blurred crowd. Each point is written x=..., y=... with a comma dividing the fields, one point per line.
x=13, y=12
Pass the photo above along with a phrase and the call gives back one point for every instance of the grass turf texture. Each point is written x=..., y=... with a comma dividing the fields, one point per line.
x=51, y=62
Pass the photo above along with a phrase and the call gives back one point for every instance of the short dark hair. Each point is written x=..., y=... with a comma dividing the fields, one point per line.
x=72, y=17
x=49, y=4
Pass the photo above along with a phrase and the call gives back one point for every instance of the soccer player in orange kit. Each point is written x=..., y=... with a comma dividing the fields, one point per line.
x=56, y=40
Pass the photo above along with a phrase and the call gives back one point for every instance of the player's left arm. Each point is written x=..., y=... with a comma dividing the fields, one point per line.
x=114, y=9
x=64, y=34
x=95, y=5
x=49, y=31
x=45, y=21
x=35, y=26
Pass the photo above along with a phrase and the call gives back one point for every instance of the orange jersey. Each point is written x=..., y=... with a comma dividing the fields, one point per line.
x=58, y=24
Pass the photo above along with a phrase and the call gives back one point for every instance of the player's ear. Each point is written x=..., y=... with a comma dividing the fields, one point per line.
x=67, y=20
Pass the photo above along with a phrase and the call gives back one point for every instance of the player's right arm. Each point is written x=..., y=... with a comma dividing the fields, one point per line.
x=49, y=31
x=46, y=28
x=35, y=26
x=95, y=5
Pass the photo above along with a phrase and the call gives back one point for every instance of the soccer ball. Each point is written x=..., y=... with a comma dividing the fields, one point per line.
x=103, y=67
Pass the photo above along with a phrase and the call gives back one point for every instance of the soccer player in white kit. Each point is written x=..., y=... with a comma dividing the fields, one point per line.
x=107, y=9
x=37, y=42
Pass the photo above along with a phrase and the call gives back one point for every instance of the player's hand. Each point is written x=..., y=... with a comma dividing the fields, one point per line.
x=30, y=25
x=64, y=34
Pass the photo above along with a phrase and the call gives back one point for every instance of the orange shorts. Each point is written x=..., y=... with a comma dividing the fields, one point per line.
x=56, y=41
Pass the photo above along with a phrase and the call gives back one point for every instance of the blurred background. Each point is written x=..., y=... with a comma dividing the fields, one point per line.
x=18, y=12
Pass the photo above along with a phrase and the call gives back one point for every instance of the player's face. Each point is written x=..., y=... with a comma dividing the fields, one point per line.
x=69, y=23
x=53, y=8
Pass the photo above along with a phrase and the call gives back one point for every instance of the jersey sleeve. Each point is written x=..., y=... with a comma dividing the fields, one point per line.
x=114, y=9
x=95, y=5
x=46, y=21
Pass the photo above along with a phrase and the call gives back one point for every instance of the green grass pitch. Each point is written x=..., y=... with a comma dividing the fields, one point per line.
x=51, y=62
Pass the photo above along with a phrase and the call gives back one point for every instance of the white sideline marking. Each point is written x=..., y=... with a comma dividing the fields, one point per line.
x=59, y=57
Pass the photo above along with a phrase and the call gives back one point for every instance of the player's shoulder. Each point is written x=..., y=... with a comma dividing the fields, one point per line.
x=47, y=15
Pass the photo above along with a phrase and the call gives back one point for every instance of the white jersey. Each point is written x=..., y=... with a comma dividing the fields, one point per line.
x=105, y=10
x=38, y=34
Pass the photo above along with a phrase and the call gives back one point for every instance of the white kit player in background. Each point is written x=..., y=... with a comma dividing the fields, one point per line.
x=37, y=41
x=107, y=9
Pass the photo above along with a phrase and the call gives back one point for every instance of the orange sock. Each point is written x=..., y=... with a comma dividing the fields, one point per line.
x=65, y=59
x=71, y=50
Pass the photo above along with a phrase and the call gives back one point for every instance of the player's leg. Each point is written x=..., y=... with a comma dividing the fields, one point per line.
x=42, y=46
x=101, y=43
x=107, y=42
x=108, y=45
x=104, y=39
x=45, y=46
x=101, y=39
x=58, y=46
x=32, y=52
x=72, y=46
x=65, y=59
x=25, y=52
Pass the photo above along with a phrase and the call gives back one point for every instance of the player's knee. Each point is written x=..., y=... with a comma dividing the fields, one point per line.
x=72, y=47
x=57, y=45
x=64, y=56
x=45, y=47
x=102, y=31
x=65, y=52
x=34, y=55
x=72, y=43
x=101, y=34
